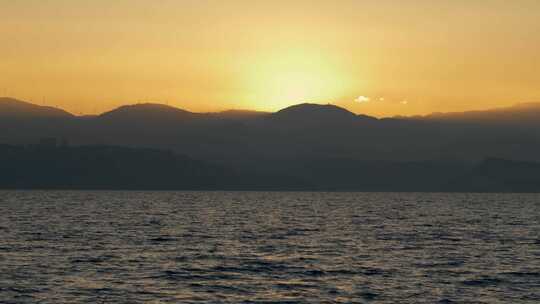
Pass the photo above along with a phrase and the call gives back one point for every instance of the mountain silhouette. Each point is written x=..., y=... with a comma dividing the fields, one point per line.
x=147, y=112
x=103, y=167
x=324, y=146
x=45, y=166
x=307, y=113
x=524, y=114
x=13, y=108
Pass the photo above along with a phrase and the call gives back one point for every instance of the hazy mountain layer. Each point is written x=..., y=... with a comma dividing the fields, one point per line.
x=106, y=167
x=324, y=141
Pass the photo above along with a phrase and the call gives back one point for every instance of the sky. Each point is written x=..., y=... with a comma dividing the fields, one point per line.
x=377, y=57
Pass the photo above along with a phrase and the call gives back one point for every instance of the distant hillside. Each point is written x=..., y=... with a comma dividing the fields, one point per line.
x=500, y=175
x=520, y=114
x=274, y=144
x=147, y=112
x=104, y=167
x=307, y=113
x=13, y=108
x=52, y=166
x=47, y=166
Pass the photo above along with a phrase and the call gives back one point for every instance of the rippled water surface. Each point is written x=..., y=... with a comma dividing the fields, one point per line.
x=220, y=247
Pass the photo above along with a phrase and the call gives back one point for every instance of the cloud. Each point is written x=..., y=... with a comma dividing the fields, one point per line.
x=362, y=99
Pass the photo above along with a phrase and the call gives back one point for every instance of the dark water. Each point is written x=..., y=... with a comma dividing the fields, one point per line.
x=197, y=247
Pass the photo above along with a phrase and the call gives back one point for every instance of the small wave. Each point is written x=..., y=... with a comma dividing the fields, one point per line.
x=522, y=274
x=368, y=295
x=449, y=264
x=314, y=273
x=194, y=275
x=483, y=282
x=343, y=272
x=162, y=239
x=220, y=288
x=171, y=275
x=374, y=272
x=295, y=286
x=91, y=260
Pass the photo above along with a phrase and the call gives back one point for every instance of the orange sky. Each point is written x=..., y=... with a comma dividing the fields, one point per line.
x=379, y=57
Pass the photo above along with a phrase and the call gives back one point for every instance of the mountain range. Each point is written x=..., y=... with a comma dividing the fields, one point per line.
x=324, y=146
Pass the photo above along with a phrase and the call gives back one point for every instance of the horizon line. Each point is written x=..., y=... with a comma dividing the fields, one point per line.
x=167, y=105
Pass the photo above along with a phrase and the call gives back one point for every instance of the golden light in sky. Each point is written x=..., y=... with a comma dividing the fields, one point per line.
x=280, y=79
x=208, y=55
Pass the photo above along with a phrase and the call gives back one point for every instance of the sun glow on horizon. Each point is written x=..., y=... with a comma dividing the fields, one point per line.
x=280, y=79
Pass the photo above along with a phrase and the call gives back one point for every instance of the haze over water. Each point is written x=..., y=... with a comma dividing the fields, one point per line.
x=278, y=247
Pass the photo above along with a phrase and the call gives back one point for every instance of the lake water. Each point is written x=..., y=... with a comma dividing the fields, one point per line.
x=244, y=247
